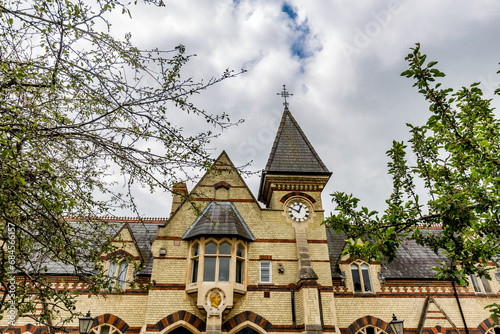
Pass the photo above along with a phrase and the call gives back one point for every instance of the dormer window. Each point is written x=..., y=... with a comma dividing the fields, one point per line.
x=117, y=274
x=481, y=285
x=361, y=277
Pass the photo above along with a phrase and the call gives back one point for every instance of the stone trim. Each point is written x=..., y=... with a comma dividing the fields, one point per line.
x=368, y=321
x=297, y=193
x=110, y=319
x=249, y=316
x=181, y=316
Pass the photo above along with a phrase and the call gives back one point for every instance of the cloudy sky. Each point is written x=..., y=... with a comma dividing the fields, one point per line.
x=342, y=61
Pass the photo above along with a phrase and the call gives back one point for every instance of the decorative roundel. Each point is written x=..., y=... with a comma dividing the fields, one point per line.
x=298, y=211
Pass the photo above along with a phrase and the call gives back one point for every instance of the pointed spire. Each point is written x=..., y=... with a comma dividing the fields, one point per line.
x=292, y=152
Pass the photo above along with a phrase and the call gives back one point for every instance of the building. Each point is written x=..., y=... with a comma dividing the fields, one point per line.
x=243, y=268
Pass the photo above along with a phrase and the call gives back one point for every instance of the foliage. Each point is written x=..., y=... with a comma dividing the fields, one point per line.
x=457, y=159
x=77, y=106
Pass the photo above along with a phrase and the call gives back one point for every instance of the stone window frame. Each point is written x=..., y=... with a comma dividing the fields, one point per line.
x=197, y=260
x=361, y=265
x=105, y=329
x=481, y=284
x=270, y=262
x=118, y=276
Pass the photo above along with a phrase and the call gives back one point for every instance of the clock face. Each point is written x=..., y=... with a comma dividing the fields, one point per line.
x=298, y=211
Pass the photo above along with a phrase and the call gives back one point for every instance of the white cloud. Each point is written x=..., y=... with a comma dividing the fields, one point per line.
x=350, y=105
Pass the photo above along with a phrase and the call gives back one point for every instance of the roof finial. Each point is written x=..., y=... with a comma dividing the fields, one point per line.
x=284, y=93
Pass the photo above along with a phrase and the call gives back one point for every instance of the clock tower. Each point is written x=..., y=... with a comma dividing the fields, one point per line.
x=291, y=187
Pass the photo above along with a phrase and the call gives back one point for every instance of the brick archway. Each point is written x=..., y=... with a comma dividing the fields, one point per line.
x=297, y=193
x=181, y=316
x=249, y=316
x=368, y=320
x=27, y=328
x=111, y=319
x=486, y=325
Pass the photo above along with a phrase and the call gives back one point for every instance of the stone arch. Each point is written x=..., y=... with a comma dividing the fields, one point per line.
x=486, y=325
x=297, y=193
x=180, y=318
x=247, y=318
x=112, y=320
x=126, y=255
x=368, y=320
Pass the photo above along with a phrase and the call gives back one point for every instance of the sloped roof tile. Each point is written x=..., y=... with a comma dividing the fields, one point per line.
x=219, y=218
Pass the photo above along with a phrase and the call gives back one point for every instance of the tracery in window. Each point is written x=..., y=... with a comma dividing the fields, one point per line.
x=361, y=277
x=105, y=329
x=370, y=330
x=493, y=330
x=117, y=274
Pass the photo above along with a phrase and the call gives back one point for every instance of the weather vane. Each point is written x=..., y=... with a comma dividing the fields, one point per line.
x=284, y=93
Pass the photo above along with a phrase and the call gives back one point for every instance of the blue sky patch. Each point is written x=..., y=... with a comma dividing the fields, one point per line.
x=298, y=45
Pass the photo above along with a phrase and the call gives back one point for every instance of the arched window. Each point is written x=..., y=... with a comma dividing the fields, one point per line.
x=117, y=274
x=240, y=263
x=105, y=329
x=180, y=330
x=195, y=259
x=223, y=261
x=361, y=278
x=247, y=330
x=370, y=330
x=493, y=330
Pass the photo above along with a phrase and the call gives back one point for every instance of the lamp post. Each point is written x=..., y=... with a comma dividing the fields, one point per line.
x=396, y=325
x=85, y=323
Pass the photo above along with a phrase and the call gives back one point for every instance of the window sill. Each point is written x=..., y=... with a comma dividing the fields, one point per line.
x=364, y=294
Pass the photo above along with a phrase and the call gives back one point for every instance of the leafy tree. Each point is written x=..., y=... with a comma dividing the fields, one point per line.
x=457, y=159
x=77, y=104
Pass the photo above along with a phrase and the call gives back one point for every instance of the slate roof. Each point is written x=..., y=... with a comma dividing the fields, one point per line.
x=219, y=218
x=143, y=233
x=292, y=152
x=412, y=260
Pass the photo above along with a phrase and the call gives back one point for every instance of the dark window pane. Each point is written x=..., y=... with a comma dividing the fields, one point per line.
x=247, y=330
x=355, y=278
x=105, y=329
x=370, y=330
x=239, y=251
x=224, y=269
x=180, y=330
x=196, y=250
x=497, y=330
x=194, y=271
x=239, y=271
x=225, y=248
x=366, y=278
x=486, y=284
x=209, y=272
x=211, y=248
